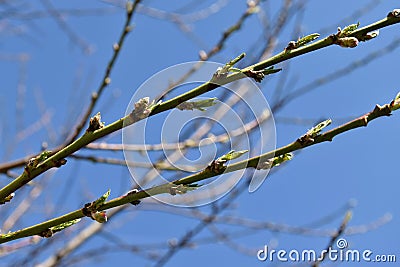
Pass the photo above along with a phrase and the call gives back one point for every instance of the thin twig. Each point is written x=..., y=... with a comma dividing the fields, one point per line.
x=95, y=95
x=213, y=51
x=65, y=27
x=105, y=81
x=334, y=237
x=122, y=162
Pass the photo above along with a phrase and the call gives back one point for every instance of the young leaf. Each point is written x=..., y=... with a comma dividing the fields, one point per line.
x=7, y=199
x=395, y=104
x=231, y=63
x=316, y=130
x=33, y=162
x=307, y=39
x=143, y=108
x=397, y=96
x=231, y=155
x=347, y=30
x=64, y=225
x=301, y=42
x=259, y=75
x=224, y=71
x=276, y=161
x=99, y=202
x=270, y=70
x=198, y=104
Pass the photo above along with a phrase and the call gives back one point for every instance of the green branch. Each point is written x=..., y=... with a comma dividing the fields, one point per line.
x=312, y=137
x=58, y=160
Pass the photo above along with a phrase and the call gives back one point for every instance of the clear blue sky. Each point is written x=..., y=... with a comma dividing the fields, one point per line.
x=360, y=166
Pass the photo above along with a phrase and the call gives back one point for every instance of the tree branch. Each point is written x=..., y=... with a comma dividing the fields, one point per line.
x=134, y=197
x=57, y=159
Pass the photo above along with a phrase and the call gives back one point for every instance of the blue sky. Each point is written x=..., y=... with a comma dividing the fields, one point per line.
x=359, y=166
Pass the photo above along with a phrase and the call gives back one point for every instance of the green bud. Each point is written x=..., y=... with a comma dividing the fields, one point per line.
x=232, y=155
x=395, y=103
x=307, y=39
x=282, y=158
x=100, y=201
x=316, y=130
x=182, y=189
